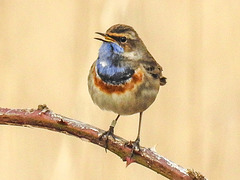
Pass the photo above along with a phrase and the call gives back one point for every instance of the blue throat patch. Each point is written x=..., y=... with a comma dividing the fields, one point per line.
x=109, y=64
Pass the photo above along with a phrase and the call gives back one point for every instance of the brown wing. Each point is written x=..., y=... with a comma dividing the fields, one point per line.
x=153, y=68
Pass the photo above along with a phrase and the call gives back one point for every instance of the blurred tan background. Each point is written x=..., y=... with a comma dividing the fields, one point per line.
x=47, y=48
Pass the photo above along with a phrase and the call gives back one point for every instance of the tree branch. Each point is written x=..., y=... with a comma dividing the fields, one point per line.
x=45, y=118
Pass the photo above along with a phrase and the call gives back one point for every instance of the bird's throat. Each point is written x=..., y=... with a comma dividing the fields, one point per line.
x=110, y=66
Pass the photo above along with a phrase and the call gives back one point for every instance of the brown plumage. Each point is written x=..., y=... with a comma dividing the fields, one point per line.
x=125, y=78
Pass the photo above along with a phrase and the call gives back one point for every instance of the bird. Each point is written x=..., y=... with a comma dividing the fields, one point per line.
x=125, y=78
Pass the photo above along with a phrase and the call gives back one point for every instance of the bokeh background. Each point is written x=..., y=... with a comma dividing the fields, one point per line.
x=47, y=48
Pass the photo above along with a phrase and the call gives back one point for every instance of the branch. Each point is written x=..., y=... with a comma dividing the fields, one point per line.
x=45, y=118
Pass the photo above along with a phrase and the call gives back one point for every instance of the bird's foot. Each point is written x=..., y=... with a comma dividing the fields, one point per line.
x=106, y=135
x=135, y=146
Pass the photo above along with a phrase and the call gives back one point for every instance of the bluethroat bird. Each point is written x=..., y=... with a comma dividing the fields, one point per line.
x=125, y=78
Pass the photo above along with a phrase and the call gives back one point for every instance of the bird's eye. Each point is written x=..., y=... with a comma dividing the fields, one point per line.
x=123, y=39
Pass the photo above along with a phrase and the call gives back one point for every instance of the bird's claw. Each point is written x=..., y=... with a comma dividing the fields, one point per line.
x=135, y=146
x=106, y=135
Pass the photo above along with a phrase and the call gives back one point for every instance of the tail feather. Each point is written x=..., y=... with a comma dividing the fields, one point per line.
x=163, y=81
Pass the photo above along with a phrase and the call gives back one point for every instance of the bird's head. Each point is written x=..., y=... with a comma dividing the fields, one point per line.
x=123, y=36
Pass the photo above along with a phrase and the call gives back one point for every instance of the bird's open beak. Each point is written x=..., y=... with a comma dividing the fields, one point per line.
x=106, y=38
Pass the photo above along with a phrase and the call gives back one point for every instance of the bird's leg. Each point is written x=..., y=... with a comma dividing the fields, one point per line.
x=135, y=144
x=110, y=132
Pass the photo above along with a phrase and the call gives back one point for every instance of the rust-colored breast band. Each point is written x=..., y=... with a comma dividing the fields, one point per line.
x=118, y=89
